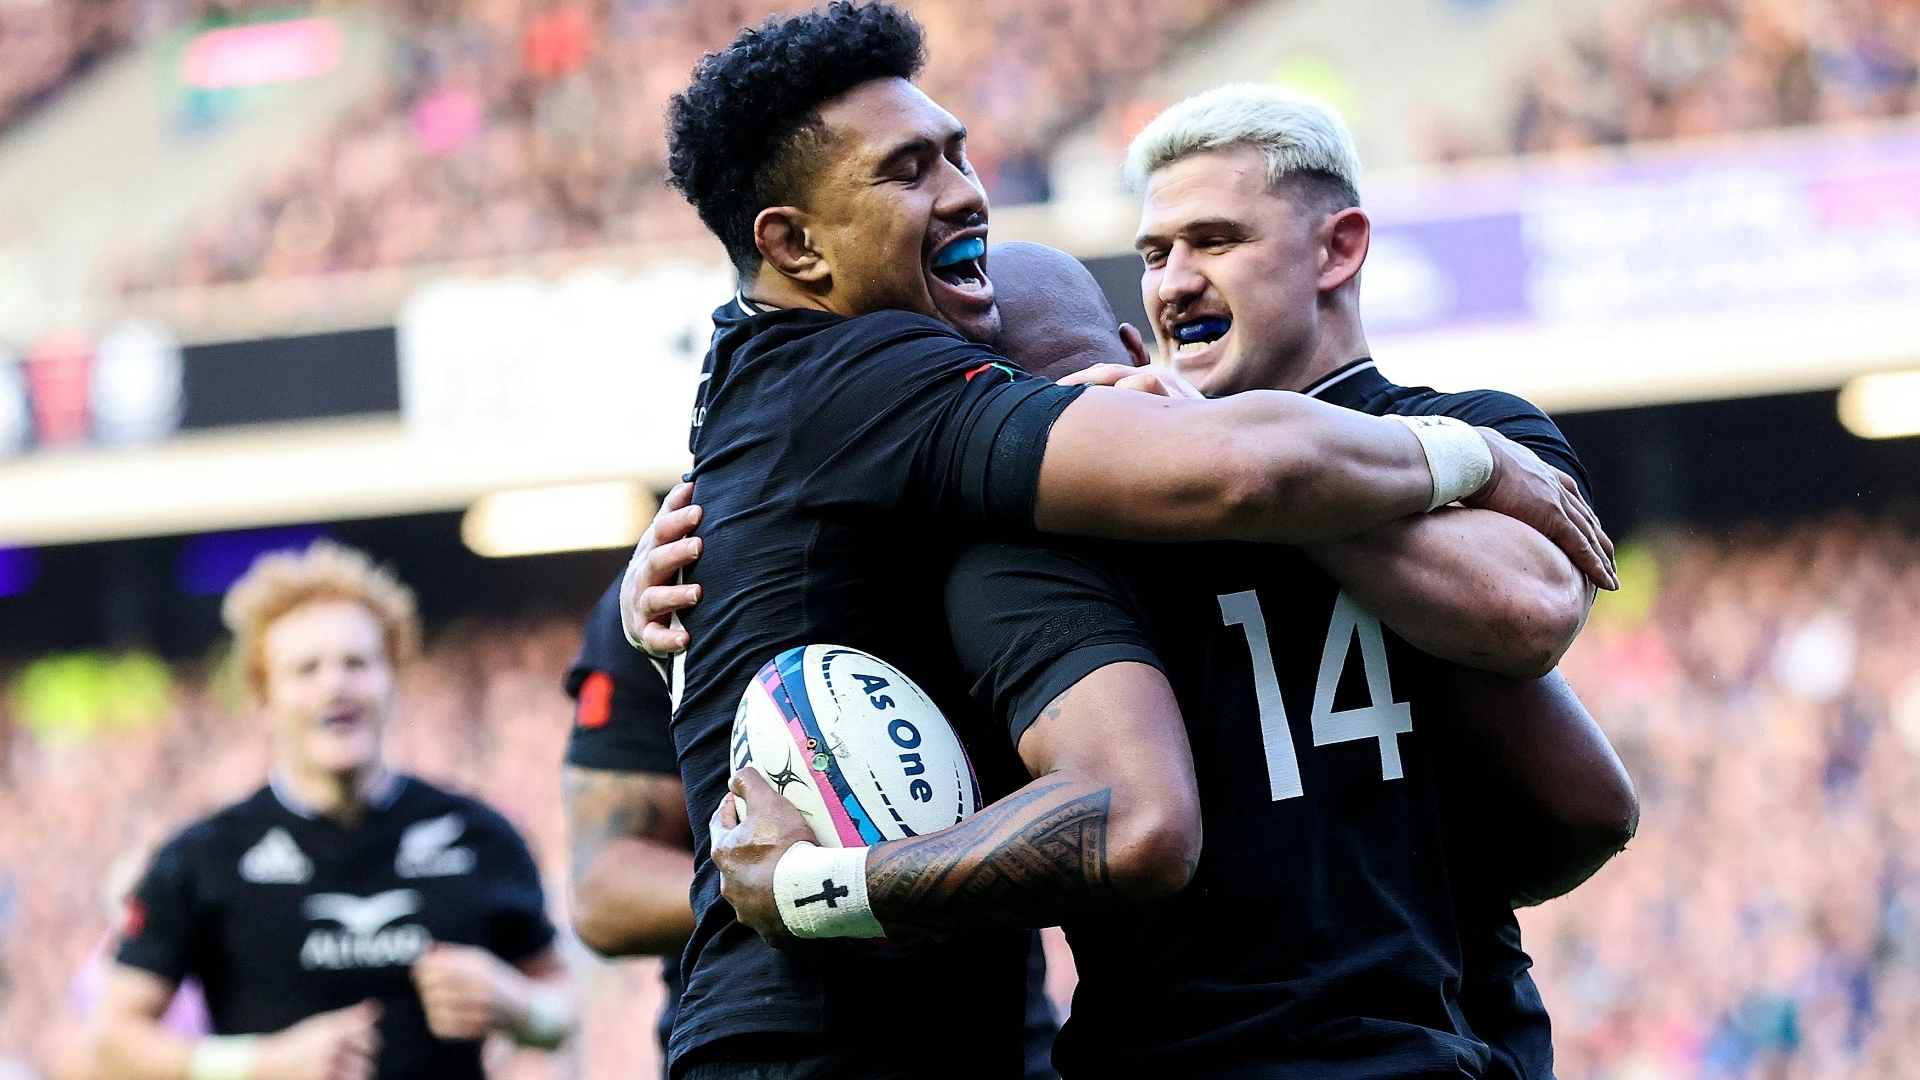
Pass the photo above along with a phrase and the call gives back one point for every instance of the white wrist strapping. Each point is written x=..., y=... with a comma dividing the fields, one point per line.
x=223, y=1057
x=550, y=1016
x=822, y=892
x=1459, y=459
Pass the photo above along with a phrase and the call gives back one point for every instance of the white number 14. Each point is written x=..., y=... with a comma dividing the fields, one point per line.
x=1383, y=719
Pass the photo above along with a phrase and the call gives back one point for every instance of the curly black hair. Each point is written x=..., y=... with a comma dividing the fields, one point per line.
x=737, y=134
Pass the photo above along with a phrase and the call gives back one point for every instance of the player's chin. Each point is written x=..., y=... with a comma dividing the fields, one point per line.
x=1203, y=369
x=344, y=749
x=969, y=309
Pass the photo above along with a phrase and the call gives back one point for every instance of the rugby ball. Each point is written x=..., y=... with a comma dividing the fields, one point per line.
x=854, y=744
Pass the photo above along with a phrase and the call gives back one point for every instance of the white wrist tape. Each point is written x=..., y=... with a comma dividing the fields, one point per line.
x=822, y=892
x=1459, y=459
x=223, y=1057
x=550, y=1016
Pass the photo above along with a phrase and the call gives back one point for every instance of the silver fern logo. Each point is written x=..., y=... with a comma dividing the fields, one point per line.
x=426, y=849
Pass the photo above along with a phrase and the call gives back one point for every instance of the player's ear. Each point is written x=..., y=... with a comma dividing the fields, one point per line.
x=1135, y=345
x=1346, y=237
x=787, y=243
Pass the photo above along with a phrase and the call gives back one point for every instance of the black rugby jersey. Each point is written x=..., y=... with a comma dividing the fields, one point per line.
x=281, y=915
x=842, y=462
x=1497, y=991
x=1320, y=935
x=622, y=719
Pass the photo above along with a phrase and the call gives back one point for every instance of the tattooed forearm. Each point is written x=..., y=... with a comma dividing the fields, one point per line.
x=604, y=805
x=631, y=861
x=1033, y=859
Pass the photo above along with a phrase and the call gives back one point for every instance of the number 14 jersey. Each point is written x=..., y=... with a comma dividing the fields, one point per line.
x=1319, y=937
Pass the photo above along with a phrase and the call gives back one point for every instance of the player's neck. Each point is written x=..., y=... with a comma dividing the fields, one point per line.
x=1341, y=341
x=768, y=288
x=342, y=797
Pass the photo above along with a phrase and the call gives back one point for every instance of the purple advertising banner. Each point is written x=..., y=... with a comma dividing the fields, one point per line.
x=1795, y=219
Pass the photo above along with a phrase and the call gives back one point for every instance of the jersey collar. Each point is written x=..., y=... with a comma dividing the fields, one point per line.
x=380, y=798
x=1348, y=385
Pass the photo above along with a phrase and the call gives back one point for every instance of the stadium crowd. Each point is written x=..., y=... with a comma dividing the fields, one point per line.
x=523, y=126
x=1766, y=921
x=1764, y=689
x=1682, y=68
x=44, y=46
x=515, y=127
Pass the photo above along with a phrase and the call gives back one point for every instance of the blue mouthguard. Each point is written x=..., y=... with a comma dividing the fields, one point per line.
x=1212, y=326
x=960, y=251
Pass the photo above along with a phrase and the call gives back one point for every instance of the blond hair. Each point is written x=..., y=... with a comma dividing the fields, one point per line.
x=283, y=581
x=1297, y=135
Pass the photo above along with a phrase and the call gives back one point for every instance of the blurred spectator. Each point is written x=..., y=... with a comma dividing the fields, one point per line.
x=46, y=43
x=524, y=126
x=1683, y=68
x=1764, y=923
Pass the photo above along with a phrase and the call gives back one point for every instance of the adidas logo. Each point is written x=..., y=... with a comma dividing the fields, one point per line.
x=276, y=860
x=426, y=849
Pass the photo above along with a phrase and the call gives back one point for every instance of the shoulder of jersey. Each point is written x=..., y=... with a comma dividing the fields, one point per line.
x=431, y=801
x=1475, y=401
x=234, y=821
x=901, y=324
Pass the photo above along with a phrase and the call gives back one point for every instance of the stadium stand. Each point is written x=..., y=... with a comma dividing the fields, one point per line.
x=45, y=46
x=1767, y=919
x=522, y=128
x=1760, y=688
x=1684, y=68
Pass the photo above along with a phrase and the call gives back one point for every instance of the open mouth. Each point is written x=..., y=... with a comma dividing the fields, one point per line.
x=959, y=265
x=1196, y=335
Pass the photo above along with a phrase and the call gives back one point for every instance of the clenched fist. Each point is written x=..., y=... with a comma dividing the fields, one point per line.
x=468, y=992
x=338, y=1045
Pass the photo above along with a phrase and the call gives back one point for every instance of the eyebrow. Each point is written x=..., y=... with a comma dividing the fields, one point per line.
x=1141, y=242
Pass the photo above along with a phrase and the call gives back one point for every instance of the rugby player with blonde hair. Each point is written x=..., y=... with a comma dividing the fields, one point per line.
x=346, y=920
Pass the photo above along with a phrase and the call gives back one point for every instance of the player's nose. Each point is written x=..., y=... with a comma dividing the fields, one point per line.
x=1180, y=282
x=961, y=198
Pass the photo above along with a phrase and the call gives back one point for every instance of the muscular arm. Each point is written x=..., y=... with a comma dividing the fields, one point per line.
x=1471, y=586
x=632, y=861
x=1112, y=816
x=1579, y=807
x=1256, y=466
x=133, y=1044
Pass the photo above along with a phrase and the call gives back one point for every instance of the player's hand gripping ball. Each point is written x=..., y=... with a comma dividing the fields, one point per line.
x=860, y=754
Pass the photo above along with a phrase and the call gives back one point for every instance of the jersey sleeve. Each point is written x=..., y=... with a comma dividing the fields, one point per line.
x=164, y=917
x=1514, y=417
x=621, y=712
x=517, y=923
x=900, y=413
x=1030, y=622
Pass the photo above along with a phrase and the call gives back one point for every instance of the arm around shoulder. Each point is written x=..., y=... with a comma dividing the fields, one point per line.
x=1262, y=465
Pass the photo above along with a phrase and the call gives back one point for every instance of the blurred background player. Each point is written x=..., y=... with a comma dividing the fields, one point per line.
x=346, y=921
